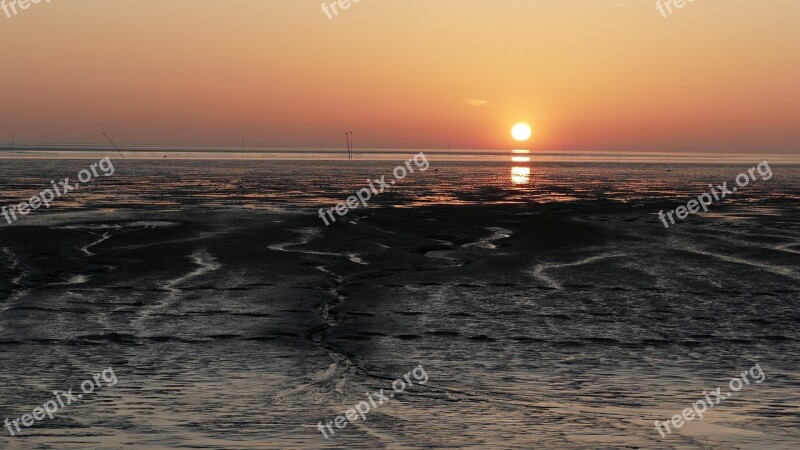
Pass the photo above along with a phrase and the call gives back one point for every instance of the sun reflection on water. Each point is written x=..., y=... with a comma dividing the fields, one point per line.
x=521, y=174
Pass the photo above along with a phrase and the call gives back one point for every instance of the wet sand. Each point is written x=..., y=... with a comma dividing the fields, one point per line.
x=235, y=319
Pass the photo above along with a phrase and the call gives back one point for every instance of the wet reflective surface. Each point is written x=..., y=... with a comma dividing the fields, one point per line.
x=549, y=310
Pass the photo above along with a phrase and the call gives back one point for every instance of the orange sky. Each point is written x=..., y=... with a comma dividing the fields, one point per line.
x=586, y=74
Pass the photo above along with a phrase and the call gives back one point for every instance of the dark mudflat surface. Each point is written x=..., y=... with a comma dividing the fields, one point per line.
x=540, y=323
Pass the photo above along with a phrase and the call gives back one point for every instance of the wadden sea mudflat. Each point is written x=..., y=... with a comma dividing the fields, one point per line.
x=234, y=318
x=408, y=224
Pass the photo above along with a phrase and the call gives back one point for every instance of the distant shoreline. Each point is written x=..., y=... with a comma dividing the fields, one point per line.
x=294, y=154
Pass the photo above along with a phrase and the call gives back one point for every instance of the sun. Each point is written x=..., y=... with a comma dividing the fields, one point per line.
x=521, y=132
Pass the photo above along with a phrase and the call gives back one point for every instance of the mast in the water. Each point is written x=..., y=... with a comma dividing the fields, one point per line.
x=115, y=145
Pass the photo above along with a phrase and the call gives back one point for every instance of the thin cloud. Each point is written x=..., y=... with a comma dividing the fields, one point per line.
x=475, y=102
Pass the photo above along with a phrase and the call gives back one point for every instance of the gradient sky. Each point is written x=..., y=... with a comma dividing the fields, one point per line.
x=586, y=74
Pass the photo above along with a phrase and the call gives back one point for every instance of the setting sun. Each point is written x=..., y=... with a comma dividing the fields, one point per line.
x=521, y=132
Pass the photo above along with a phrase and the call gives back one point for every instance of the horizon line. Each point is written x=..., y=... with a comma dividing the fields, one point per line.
x=237, y=148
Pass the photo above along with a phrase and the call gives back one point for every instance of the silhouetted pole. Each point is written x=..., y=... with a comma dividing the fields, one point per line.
x=112, y=143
